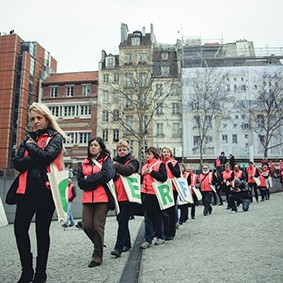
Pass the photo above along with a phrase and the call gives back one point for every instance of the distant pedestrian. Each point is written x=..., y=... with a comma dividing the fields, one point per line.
x=206, y=180
x=251, y=173
x=169, y=214
x=1, y=172
x=239, y=194
x=71, y=197
x=232, y=161
x=152, y=170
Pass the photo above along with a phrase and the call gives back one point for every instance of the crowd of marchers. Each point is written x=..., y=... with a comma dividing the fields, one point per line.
x=42, y=150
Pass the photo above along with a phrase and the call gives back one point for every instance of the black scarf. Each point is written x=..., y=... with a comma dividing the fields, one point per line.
x=123, y=159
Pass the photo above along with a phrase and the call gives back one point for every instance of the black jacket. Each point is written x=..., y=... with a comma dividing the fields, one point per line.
x=37, y=160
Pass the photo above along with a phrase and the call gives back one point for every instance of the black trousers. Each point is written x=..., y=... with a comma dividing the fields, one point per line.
x=41, y=206
x=170, y=218
x=123, y=233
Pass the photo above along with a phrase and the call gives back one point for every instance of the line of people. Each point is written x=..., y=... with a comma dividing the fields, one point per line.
x=43, y=147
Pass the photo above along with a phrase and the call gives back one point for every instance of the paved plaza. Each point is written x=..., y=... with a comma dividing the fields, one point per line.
x=221, y=247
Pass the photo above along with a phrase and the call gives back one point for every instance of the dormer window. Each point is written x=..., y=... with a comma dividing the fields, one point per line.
x=136, y=41
x=110, y=62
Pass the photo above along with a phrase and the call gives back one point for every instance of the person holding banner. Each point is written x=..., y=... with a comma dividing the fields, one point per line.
x=42, y=146
x=206, y=180
x=152, y=170
x=192, y=180
x=169, y=215
x=227, y=177
x=125, y=165
x=93, y=175
x=252, y=172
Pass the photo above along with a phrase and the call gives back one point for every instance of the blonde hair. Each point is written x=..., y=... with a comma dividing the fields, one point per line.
x=123, y=143
x=168, y=148
x=44, y=110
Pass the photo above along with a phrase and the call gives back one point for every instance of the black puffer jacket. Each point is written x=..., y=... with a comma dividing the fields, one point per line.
x=38, y=158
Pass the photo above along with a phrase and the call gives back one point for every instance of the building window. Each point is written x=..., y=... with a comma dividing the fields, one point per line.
x=69, y=91
x=158, y=89
x=116, y=115
x=164, y=56
x=129, y=80
x=128, y=58
x=129, y=124
x=159, y=109
x=129, y=101
x=115, y=135
x=70, y=111
x=142, y=57
x=84, y=138
x=143, y=149
x=86, y=90
x=105, y=78
x=116, y=97
x=176, y=130
x=105, y=135
x=110, y=62
x=55, y=111
x=145, y=124
x=53, y=91
x=224, y=139
x=234, y=139
x=196, y=140
x=105, y=116
x=143, y=79
x=105, y=97
x=71, y=139
x=136, y=41
x=159, y=130
x=116, y=77
x=208, y=121
x=85, y=110
x=165, y=70
x=175, y=108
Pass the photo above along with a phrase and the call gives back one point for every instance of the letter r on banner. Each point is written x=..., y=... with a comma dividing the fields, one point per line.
x=164, y=191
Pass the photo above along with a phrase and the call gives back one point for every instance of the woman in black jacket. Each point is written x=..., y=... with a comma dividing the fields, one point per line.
x=42, y=147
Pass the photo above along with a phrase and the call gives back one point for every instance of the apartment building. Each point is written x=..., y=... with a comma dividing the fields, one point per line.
x=22, y=64
x=139, y=91
x=72, y=98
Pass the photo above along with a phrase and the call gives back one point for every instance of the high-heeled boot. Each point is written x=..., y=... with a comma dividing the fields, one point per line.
x=27, y=269
x=40, y=271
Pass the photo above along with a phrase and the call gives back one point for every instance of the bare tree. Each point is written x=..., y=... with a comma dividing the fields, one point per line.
x=266, y=110
x=137, y=97
x=207, y=95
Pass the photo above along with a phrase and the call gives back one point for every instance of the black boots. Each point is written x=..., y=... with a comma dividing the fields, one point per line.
x=40, y=271
x=27, y=269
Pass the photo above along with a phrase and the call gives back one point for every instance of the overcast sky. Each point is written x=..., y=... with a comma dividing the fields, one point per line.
x=75, y=31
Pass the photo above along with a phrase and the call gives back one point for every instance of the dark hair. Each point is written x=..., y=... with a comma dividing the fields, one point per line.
x=100, y=141
x=154, y=151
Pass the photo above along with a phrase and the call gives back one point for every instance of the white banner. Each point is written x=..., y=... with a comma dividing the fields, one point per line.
x=197, y=193
x=183, y=189
x=59, y=188
x=112, y=190
x=164, y=194
x=132, y=185
x=3, y=217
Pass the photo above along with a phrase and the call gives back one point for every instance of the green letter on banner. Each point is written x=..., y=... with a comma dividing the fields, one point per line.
x=134, y=186
x=164, y=191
